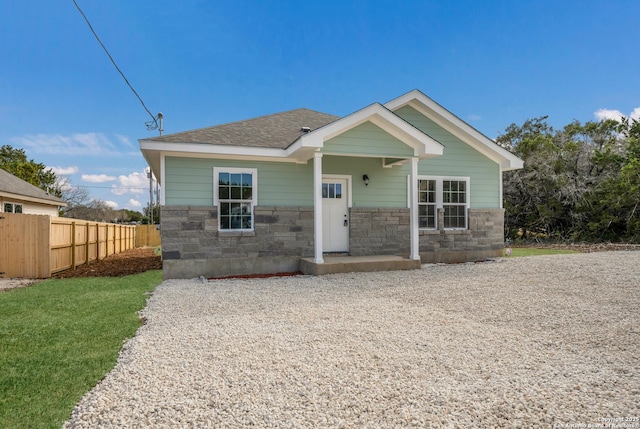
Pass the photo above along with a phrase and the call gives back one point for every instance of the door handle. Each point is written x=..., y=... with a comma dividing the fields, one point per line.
x=346, y=222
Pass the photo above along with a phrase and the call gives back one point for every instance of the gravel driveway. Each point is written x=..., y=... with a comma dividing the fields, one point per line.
x=546, y=341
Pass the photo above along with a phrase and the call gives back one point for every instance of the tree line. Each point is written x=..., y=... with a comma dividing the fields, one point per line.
x=579, y=183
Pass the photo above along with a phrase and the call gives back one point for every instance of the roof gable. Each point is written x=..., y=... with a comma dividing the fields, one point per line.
x=12, y=186
x=367, y=139
x=422, y=145
x=456, y=126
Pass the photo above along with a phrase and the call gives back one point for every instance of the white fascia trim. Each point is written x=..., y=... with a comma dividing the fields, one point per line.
x=20, y=199
x=422, y=144
x=457, y=127
x=189, y=149
x=233, y=157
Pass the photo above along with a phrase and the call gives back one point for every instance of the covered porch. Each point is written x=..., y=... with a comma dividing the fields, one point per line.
x=369, y=141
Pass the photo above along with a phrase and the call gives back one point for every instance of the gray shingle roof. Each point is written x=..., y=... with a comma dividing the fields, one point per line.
x=272, y=131
x=14, y=185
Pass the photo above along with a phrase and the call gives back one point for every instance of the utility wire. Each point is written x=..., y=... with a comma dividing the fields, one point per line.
x=151, y=125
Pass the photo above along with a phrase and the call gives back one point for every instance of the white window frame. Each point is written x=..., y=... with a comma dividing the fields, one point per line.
x=435, y=203
x=439, y=198
x=254, y=194
x=13, y=207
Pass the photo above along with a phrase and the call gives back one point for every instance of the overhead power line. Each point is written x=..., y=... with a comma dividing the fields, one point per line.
x=151, y=125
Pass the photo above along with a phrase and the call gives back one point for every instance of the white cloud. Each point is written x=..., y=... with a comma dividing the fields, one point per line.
x=616, y=115
x=135, y=180
x=65, y=185
x=117, y=190
x=112, y=204
x=97, y=178
x=96, y=144
x=134, y=183
x=134, y=203
x=474, y=117
x=125, y=141
x=64, y=171
x=602, y=114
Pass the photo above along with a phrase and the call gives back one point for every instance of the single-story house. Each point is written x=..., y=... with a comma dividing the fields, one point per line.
x=406, y=178
x=19, y=196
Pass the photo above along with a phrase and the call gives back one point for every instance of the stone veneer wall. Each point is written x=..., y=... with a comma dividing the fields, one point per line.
x=484, y=239
x=379, y=231
x=193, y=246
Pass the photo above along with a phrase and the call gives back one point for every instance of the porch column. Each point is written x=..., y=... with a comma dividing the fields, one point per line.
x=317, y=208
x=413, y=210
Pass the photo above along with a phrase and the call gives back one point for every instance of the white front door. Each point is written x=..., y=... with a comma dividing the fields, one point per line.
x=335, y=215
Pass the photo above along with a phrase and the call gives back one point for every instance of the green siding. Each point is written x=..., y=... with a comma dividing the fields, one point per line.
x=369, y=140
x=387, y=186
x=189, y=181
x=459, y=159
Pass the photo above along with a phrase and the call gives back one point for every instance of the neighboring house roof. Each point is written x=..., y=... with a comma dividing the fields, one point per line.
x=14, y=187
x=272, y=131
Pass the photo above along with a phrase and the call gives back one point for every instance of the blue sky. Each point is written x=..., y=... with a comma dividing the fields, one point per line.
x=202, y=63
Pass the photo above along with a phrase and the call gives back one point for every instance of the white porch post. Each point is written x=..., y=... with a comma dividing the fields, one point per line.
x=413, y=210
x=317, y=208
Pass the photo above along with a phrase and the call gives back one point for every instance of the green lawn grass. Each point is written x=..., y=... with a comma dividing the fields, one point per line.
x=58, y=338
x=532, y=251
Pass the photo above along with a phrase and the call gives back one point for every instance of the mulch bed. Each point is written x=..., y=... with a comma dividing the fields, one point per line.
x=132, y=261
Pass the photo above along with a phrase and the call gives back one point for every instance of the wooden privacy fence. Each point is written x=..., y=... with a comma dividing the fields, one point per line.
x=37, y=246
x=147, y=236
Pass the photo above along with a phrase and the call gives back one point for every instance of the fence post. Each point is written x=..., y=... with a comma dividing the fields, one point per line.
x=97, y=241
x=86, y=243
x=73, y=245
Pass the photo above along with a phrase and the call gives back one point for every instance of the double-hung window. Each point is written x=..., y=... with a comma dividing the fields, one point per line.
x=448, y=193
x=235, y=194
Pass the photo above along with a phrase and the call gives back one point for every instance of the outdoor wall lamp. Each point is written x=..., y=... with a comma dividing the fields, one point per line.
x=365, y=179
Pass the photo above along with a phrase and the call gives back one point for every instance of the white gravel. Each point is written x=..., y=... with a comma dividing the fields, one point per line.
x=546, y=341
x=13, y=283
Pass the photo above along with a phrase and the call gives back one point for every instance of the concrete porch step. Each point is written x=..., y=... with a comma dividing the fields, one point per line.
x=351, y=264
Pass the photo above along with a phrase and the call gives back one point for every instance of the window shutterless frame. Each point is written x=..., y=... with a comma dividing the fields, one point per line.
x=12, y=208
x=443, y=192
x=235, y=193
